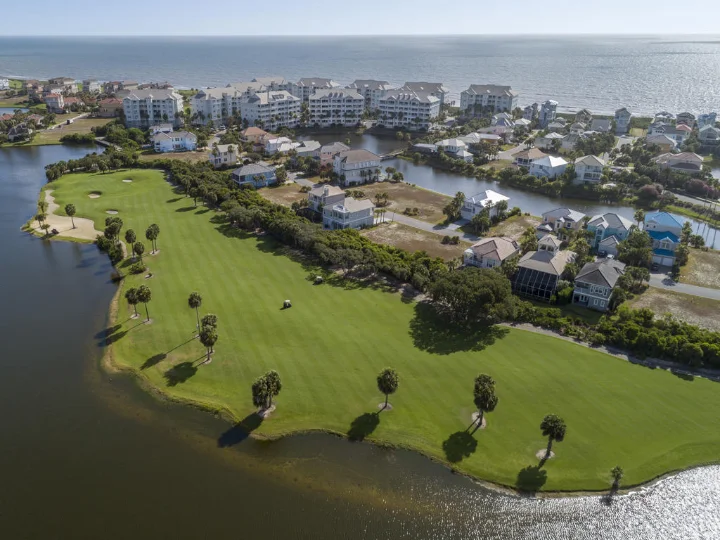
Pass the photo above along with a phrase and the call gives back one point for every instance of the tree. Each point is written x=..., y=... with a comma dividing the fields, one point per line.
x=697, y=241
x=132, y=298
x=453, y=208
x=553, y=427
x=387, y=382
x=473, y=294
x=209, y=320
x=485, y=398
x=528, y=240
x=195, y=301
x=144, y=295
x=617, y=473
x=151, y=233
x=639, y=216
x=70, y=211
x=636, y=249
x=264, y=388
x=139, y=249
x=130, y=239
x=686, y=233
x=208, y=337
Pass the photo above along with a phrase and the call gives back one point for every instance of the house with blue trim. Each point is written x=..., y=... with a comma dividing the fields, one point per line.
x=255, y=174
x=606, y=225
x=665, y=231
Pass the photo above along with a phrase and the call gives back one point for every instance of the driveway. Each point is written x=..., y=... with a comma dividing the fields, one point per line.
x=664, y=281
x=453, y=229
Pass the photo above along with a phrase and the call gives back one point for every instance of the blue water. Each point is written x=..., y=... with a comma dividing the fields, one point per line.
x=646, y=74
x=10, y=110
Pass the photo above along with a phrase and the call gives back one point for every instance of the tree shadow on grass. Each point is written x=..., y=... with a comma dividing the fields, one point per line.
x=104, y=334
x=363, y=426
x=432, y=333
x=175, y=200
x=531, y=479
x=109, y=340
x=219, y=219
x=180, y=373
x=682, y=375
x=240, y=431
x=153, y=360
x=233, y=232
x=185, y=209
x=203, y=211
x=459, y=446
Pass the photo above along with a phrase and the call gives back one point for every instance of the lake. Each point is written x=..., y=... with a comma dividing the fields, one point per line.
x=87, y=454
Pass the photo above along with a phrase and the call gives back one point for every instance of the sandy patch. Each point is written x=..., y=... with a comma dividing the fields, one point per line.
x=540, y=454
x=94, y=195
x=475, y=417
x=702, y=269
x=111, y=212
x=382, y=406
x=84, y=228
x=264, y=413
x=703, y=312
x=127, y=181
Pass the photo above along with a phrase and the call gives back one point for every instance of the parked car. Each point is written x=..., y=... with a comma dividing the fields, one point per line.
x=655, y=267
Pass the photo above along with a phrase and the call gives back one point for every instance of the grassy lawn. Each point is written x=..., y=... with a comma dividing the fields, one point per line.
x=695, y=310
x=150, y=155
x=52, y=136
x=499, y=164
x=411, y=239
x=638, y=132
x=330, y=346
x=285, y=195
x=514, y=227
x=403, y=195
x=680, y=210
x=19, y=102
x=702, y=269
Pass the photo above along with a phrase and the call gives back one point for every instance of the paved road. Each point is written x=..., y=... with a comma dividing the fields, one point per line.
x=664, y=281
x=63, y=123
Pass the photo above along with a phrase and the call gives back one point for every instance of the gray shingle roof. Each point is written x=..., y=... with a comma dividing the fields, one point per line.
x=603, y=272
x=611, y=221
x=544, y=261
x=358, y=156
x=252, y=169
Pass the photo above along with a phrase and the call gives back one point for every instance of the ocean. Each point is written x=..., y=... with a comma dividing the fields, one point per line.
x=646, y=74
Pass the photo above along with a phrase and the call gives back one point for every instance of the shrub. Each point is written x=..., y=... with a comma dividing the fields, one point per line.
x=138, y=268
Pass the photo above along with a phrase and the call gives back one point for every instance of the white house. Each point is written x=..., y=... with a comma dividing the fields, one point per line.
x=531, y=112
x=177, y=141
x=477, y=203
x=709, y=135
x=546, y=142
x=4, y=83
x=329, y=151
x=356, y=166
x=548, y=112
x=588, y=170
x=349, y=214
x=223, y=155
x=371, y=90
x=433, y=88
x=665, y=143
x=272, y=109
x=144, y=108
x=488, y=97
x=325, y=195
x=161, y=128
x=466, y=156
x=563, y=220
x=91, y=86
x=342, y=106
x=524, y=158
x=309, y=149
x=548, y=166
x=280, y=145
x=55, y=103
x=685, y=162
x=491, y=252
x=307, y=86
x=451, y=146
x=413, y=110
x=622, y=121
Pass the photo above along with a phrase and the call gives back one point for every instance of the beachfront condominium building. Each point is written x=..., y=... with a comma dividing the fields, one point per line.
x=335, y=106
x=273, y=82
x=144, y=108
x=548, y=113
x=480, y=98
x=271, y=110
x=412, y=110
x=372, y=91
x=307, y=86
x=436, y=89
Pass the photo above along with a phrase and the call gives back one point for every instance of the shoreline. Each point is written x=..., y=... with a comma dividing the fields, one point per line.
x=110, y=365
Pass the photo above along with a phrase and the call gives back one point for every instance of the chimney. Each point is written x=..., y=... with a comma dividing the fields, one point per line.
x=326, y=190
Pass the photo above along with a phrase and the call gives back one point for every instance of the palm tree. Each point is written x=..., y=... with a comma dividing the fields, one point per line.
x=70, y=211
x=144, y=295
x=139, y=249
x=617, y=474
x=41, y=217
x=132, y=299
x=485, y=398
x=195, y=301
x=130, y=239
x=387, y=382
x=639, y=216
x=151, y=233
x=208, y=337
x=553, y=427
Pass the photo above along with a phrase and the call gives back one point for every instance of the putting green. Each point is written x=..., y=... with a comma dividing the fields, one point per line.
x=331, y=344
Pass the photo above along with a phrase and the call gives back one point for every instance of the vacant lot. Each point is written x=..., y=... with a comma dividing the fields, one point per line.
x=691, y=309
x=83, y=125
x=285, y=195
x=181, y=156
x=411, y=239
x=402, y=195
x=702, y=269
x=514, y=226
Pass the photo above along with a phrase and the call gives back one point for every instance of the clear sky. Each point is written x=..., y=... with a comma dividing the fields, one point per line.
x=332, y=17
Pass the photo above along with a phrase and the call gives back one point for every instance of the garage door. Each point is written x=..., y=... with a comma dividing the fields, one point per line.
x=662, y=260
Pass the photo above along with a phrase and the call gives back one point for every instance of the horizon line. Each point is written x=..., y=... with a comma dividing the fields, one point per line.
x=544, y=34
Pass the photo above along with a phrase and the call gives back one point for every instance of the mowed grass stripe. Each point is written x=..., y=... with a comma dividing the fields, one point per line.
x=330, y=346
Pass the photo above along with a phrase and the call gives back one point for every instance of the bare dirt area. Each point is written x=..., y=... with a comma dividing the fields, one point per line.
x=702, y=269
x=702, y=312
x=514, y=226
x=410, y=239
x=285, y=194
x=401, y=195
x=181, y=156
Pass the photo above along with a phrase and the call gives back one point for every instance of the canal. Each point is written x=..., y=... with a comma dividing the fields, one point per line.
x=89, y=454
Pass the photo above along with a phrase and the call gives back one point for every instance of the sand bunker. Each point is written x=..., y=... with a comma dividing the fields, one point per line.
x=84, y=228
x=94, y=195
x=541, y=454
x=111, y=212
x=127, y=181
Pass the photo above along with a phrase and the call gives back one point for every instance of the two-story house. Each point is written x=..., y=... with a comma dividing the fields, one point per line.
x=349, y=214
x=539, y=271
x=595, y=282
x=562, y=220
x=321, y=196
x=356, y=166
x=662, y=141
x=622, y=121
x=709, y=135
x=491, y=252
x=485, y=200
x=606, y=225
x=255, y=174
x=548, y=167
x=524, y=158
x=176, y=141
x=588, y=170
x=684, y=162
x=665, y=231
x=451, y=146
x=223, y=155
x=547, y=113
